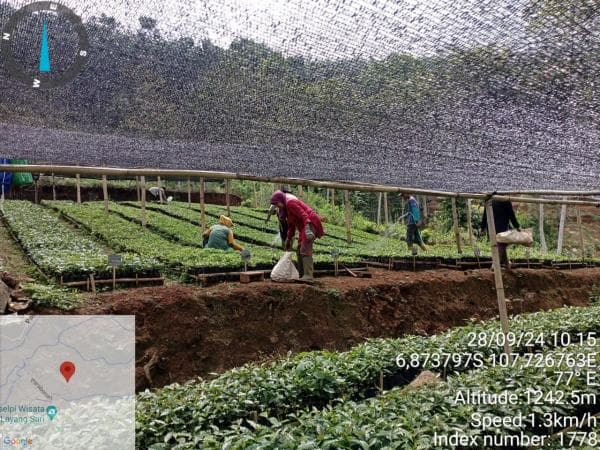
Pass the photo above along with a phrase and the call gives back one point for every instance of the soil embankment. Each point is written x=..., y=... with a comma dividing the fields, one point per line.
x=187, y=331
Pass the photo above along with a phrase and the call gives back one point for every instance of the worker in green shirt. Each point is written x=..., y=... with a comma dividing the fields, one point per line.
x=220, y=236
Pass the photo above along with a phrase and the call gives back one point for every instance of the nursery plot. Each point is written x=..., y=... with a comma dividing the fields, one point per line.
x=59, y=250
x=125, y=235
x=273, y=391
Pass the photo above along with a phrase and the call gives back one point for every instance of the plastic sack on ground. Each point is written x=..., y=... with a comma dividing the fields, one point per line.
x=523, y=237
x=284, y=270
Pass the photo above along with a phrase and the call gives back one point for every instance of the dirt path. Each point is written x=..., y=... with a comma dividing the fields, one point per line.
x=187, y=331
x=12, y=258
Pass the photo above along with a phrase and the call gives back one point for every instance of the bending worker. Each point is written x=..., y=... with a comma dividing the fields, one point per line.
x=299, y=216
x=281, y=217
x=220, y=236
x=504, y=215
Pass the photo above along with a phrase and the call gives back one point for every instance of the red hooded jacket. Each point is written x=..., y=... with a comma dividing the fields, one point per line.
x=298, y=215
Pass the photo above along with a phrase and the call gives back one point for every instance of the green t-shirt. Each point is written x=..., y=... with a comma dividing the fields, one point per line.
x=218, y=237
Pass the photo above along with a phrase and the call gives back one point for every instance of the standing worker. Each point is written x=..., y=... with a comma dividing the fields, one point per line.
x=299, y=216
x=220, y=236
x=504, y=215
x=413, y=221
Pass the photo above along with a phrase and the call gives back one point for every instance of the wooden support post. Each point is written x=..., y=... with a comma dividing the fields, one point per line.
x=455, y=225
x=255, y=192
x=498, y=276
x=228, y=196
x=402, y=207
x=386, y=210
x=333, y=203
x=189, y=186
x=379, y=201
x=105, y=193
x=348, y=213
x=143, y=199
x=93, y=283
x=159, y=185
x=53, y=189
x=580, y=230
x=470, y=223
x=202, y=206
x=425, y=207
x=36, y=199
x=300, y=191
x=561, y=227
x=78, y=182
x=543, y=245
x=137, y=189
x=114, y=279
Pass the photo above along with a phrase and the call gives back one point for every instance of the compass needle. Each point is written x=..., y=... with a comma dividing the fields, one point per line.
x=44, y=51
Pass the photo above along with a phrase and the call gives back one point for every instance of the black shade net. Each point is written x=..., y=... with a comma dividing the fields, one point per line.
x=443, y=94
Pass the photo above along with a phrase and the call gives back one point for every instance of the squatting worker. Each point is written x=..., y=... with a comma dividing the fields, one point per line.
x=220, y=236
x=299, y=216
x=504, y=215
x=158, y=193
x=413, y=221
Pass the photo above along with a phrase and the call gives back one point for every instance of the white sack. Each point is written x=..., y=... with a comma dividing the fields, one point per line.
x=285, y=270
x=523, y=237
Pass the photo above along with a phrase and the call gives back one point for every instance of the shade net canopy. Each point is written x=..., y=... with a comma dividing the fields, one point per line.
x=459, y=95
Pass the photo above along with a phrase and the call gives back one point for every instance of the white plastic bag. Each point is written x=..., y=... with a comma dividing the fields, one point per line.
x=523, y=237
x=284, y=270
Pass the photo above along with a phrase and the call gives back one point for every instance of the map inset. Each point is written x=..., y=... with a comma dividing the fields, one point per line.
x=67, y=382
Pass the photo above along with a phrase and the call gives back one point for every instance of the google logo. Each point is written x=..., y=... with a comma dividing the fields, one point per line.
x=16, y=442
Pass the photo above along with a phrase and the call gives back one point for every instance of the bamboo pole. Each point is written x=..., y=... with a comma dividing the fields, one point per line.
x=202, y=206
x=300, y=191
x=470, y=223
x=78, y=183
x=386, y=209
x=137, y=189
x=580, y=230
x=348, y=211
x=498, y=276
x=561, y=228
x=189, y=189
x=402, y=209
x=333, y=203
x=159, y=185
x=143, y=200
x=105, y=193
x=53, y=189
x=379, y=201
x=228, y=197
x=456, y=226
x=425, y=207
x=542, y=233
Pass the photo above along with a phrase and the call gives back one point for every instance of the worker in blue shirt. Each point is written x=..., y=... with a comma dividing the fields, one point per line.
x=413, y=222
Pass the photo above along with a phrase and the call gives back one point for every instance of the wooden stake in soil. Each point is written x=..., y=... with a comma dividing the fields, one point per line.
x=189, y=185
x=543, y=245
x=580, y=230
x=498, y=275
x=470, y=223
x=561, y=227
x=348, y=211
x=455, y=225
x=143, y=199
x=228, y=197
x=202, y=206
x=105, y=193
x=78, y=182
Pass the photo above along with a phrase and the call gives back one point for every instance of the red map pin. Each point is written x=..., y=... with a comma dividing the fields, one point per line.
x=67, y=368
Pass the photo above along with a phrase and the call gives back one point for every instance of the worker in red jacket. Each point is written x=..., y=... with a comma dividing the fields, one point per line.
x=299, y=216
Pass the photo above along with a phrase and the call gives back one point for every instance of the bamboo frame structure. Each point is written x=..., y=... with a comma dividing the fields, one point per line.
x=365, y=187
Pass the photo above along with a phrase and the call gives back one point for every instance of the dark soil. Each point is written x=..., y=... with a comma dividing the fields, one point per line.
x=187, y=331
